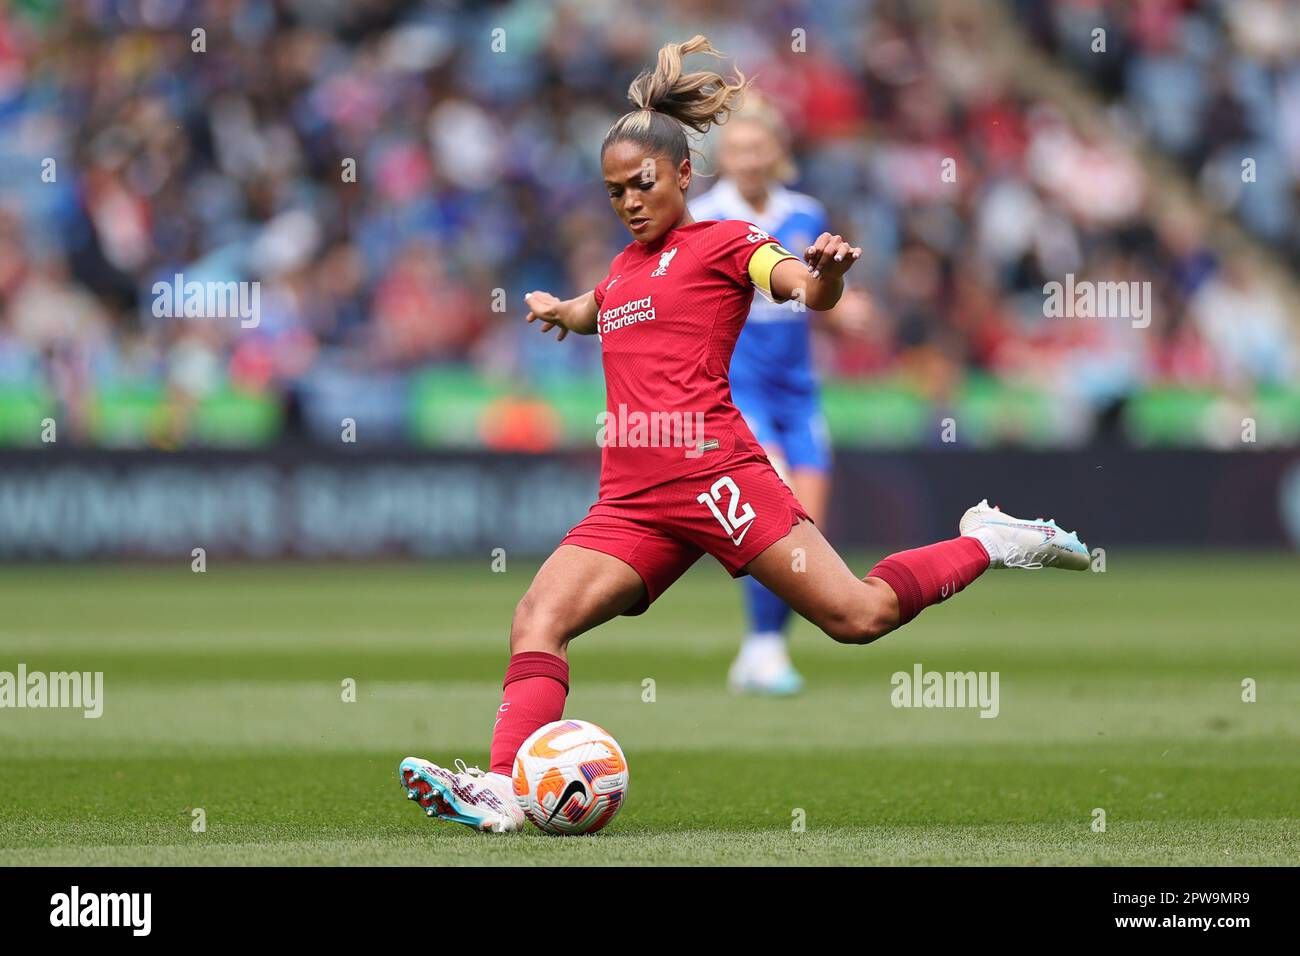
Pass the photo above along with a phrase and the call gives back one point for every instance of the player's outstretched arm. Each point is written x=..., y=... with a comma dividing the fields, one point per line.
x=820, y=283
x=569, y=315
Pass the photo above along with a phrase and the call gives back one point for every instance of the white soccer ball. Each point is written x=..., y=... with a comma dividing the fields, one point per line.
x=570, y=777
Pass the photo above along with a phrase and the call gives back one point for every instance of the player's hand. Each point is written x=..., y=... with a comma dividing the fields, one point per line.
x=546, y=307
x=830, y=255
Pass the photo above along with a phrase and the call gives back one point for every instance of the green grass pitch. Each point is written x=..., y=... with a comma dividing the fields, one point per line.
x=223, y=691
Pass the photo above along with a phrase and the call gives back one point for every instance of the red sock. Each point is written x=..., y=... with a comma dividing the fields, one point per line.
x=535, y=687
x=925, y=576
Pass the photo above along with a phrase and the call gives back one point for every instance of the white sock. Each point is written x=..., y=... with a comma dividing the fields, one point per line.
x=988, y=538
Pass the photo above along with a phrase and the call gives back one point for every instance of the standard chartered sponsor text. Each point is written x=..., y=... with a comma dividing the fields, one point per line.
x=629, y=313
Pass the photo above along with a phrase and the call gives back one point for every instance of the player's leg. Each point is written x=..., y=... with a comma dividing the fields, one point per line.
x=750, y=520
x=799, y=450
x=614, y=562
x=807, y=442
x=575, y=590
x=806, y=571
x=763, y=665
x=812, y=486
x=813, y=579
x=606, y=566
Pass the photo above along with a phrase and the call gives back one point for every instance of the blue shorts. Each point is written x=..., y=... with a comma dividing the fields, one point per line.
x=793, y=424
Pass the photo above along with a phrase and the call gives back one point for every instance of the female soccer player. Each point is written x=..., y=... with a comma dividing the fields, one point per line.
x=772, y=378
x=668, y=315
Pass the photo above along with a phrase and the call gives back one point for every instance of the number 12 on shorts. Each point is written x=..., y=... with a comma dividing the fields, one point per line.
x=733, y=521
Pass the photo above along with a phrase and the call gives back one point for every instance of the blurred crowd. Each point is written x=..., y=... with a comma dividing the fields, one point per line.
x=397, y=175
x=1215, y=84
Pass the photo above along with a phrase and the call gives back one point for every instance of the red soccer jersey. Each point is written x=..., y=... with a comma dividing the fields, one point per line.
x=669, y=315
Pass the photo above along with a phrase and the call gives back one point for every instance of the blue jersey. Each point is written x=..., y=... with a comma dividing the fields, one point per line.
x=773, y=355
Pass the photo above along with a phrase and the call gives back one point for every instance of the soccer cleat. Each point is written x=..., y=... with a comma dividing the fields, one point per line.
x=1018, y=543
x=483, y=801
x=764, y=668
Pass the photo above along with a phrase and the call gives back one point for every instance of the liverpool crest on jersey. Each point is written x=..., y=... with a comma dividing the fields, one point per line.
x=664, y=261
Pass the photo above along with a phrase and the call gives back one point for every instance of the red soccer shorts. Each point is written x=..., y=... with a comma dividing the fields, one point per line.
x=733, y=510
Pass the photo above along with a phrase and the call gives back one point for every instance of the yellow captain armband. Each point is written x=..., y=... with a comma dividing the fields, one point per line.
x=761, y=264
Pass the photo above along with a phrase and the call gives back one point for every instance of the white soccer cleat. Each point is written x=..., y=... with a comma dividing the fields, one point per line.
x=484, y=801
x=1017, y=543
